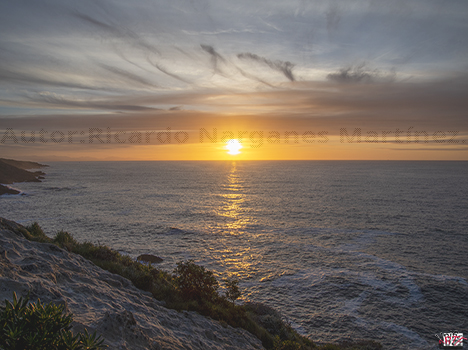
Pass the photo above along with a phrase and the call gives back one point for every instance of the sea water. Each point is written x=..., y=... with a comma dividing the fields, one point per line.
x=344, y=249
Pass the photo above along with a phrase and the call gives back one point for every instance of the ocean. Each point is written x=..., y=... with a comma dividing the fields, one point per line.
x=344, y=249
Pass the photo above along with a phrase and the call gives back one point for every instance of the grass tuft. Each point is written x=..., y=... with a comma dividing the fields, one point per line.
x=34, y=233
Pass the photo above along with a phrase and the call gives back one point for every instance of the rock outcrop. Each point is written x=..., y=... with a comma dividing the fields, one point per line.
x=149, y=258
x=15, y=171
x=125, y=316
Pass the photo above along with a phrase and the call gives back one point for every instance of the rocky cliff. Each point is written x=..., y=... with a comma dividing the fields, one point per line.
x=124, y=315
x=15, y=171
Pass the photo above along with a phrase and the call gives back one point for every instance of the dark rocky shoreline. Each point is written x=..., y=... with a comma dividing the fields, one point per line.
x=12, y=171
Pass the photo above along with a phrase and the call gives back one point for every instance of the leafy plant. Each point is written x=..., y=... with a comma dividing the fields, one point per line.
x=195, y=282
x=34, y=233
x=37, y=326
x=64, y=239
x=286, y=344
x=232, y=289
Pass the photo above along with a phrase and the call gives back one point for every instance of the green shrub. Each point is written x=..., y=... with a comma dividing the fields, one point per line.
x=65, y=240
x=35, y=233
x=330, y=347
x=195, y=282
x=286, y=337
x=232, y=289
x=37, y=326
x=286, y=344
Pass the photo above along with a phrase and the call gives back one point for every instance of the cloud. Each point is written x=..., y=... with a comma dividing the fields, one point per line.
x=255, y=78
x=120, y=32
x=132, y=38
x=333, y=16
x=167, y=72
x=101, y=104
x=104, y=26
x=13, y=76
x=218, y=32
x=284, y=67
x=127, y=76
x=216, y=58
x=360, y=74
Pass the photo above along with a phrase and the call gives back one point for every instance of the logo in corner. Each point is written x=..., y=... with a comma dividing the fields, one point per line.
x=451, y=340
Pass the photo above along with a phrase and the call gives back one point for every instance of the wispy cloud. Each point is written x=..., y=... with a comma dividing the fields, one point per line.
x=34, y=78
x=284, y=67
x=58, y=101
x=360, y=73
x=127, y=76
x=167, y=72
x=425, y=106
x=216, y=58
x=119, y=31
x=220, y=32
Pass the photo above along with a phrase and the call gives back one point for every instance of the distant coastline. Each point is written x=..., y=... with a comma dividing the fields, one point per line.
x=12, y=171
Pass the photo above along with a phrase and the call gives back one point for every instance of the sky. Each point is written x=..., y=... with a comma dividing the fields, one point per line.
x=176, y=80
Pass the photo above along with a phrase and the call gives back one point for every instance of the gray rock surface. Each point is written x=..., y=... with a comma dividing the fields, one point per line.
x=125, y=316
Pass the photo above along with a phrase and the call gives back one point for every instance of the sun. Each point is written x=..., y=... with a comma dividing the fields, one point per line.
x=233, y=146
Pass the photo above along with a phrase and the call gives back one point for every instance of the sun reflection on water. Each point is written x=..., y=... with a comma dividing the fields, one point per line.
x=234, y=252
x=232, y=206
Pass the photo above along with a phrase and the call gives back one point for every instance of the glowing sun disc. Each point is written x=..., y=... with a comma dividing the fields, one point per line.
x=233, y=146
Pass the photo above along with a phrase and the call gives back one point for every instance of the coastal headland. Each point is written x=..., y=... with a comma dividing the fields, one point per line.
x=12, y=171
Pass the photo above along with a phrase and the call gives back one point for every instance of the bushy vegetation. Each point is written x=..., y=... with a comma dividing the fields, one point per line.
x=34, y=233
x=191, y=287
x=195, y=283
x=232, y=289
x=36, y=326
